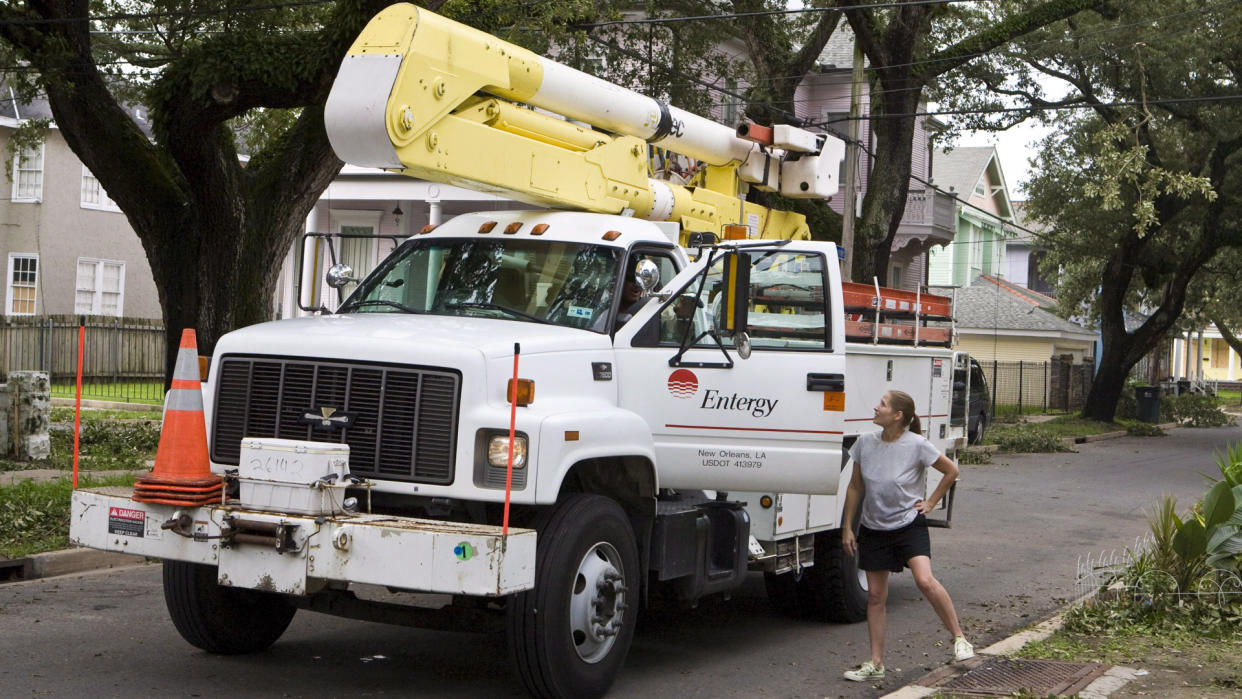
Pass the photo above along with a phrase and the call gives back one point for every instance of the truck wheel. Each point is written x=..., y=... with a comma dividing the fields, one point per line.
x=570, y=634
x=833, y=589
x=980, y=425
x=223, y=620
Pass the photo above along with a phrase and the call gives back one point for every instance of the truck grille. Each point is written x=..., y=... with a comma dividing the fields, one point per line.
x=402, y=420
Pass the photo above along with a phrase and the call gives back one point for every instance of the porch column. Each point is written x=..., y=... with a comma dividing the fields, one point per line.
x=1233, y=362
x=433, y=212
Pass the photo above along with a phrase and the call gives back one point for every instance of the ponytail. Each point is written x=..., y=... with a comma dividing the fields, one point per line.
x=899, y=400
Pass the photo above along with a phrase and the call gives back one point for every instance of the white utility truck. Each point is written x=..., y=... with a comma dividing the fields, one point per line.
x=659, y=448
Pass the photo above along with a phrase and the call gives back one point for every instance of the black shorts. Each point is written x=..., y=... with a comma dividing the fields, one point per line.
x=891, y=550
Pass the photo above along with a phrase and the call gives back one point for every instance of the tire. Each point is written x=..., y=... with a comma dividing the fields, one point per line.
x=833, y=589
x=222, y=620
x=569, y=636
x=980, y=426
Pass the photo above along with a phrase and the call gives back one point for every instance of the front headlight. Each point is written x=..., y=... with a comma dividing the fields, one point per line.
x=498, y=451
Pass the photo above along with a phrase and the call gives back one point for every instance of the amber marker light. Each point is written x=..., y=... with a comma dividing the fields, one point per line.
x=513, y=228
x=571, y=435
x=204, y=364
x=765, y=502
x=612, y=235
x=539, y=229
x=428, y=228
x=525, y=394
x=487, y=227
x=736, y=231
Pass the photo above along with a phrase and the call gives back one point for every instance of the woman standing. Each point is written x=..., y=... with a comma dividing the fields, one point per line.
x=890, y=469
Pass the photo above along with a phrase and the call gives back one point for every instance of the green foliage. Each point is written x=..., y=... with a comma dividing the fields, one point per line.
x=34, y=516
x=1143, y=429
x=1197, y=410
x=970, y=457
x=1032, y=439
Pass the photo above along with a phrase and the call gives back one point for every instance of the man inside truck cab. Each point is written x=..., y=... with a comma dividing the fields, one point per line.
x=654, y=268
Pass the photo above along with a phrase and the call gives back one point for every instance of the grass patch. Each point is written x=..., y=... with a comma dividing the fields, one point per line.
x=65, y=415
x=122, y=391
x=34, y=517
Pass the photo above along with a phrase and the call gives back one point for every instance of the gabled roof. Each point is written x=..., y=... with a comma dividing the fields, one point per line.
x=959, y=169
x=838, y=53
x=12, y=109
x=991, y=303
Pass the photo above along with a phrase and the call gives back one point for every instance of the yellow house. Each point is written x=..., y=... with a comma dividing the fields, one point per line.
x=1014, y=336
x=1205, y=356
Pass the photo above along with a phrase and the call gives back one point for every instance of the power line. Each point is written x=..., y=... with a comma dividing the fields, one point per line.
x=1053, y=107
x=171, y=14
x=764, y=13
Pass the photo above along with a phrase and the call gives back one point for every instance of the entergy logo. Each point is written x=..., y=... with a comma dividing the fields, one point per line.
x=683, y=383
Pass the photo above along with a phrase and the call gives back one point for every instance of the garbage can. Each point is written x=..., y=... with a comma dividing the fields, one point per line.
x=1148, y=398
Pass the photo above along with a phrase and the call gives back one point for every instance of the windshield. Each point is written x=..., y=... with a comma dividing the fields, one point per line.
x=569, y=284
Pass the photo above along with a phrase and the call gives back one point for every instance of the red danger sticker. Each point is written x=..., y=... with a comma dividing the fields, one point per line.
x=125, y=521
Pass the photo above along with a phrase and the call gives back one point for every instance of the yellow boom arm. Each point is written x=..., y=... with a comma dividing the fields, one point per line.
x=438, y=100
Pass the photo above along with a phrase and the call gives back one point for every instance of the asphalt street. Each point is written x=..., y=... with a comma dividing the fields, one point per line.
x=1021, y=526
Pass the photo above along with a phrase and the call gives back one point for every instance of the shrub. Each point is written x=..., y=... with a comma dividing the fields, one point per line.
x=1030, y=441
x=974, y=457
x=1198, y=410
x=1144, y=429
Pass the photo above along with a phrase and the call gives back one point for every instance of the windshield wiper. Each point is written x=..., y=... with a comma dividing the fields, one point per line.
x=499, y=307
x=384, y=302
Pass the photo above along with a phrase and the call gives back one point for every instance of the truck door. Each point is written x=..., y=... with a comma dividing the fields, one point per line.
x=772, y=422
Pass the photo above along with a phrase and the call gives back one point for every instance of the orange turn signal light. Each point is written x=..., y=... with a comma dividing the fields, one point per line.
x=428, y=228
x=487, y=227
x=612, y=235
x=521, y=394
x=204, y=363
x=736, y=231
x=539, y=229
x=513, y=228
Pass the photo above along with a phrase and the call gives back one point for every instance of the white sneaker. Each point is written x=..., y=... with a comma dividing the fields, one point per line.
x=962, y=650
x=866, y=671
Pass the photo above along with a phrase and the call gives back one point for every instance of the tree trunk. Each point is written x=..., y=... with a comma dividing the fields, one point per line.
x=887, y=189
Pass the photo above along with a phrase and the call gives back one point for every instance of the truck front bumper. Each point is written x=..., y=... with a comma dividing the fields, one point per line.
x=301, y=554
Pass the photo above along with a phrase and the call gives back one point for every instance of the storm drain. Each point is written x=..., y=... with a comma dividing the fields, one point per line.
x=1002, y=677
x=14, y=569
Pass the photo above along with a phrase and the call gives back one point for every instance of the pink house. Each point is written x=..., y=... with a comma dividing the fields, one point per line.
x=929, y=220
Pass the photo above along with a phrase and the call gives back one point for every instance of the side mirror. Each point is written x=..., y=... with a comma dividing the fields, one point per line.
x=647, y=274
x=736, y=289
x=339, y=275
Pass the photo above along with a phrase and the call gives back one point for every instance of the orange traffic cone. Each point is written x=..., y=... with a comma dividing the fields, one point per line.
x=182, y=473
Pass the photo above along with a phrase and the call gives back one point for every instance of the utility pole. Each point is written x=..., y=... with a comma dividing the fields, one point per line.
x=851, y=165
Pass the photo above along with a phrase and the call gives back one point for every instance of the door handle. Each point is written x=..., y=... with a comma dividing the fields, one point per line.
x=832, y=383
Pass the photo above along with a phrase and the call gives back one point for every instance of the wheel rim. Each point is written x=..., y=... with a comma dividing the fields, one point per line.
x=862, y=579
x=597, y=602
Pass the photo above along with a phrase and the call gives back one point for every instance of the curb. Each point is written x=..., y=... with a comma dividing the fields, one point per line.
x=68, y=561
x=1113, y=679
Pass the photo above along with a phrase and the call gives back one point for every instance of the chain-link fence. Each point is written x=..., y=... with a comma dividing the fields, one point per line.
x=1023, y=388
x=122, y=358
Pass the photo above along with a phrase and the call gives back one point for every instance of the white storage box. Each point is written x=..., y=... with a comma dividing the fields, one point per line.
x=288, y=475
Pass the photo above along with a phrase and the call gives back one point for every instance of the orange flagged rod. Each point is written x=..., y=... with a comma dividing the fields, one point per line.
x=182, y=473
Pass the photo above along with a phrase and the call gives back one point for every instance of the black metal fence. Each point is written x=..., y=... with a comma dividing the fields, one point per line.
x=1021, y=388
x=122, y=358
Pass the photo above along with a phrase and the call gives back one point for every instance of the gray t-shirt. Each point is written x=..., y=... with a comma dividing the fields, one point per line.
x=894, y=475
